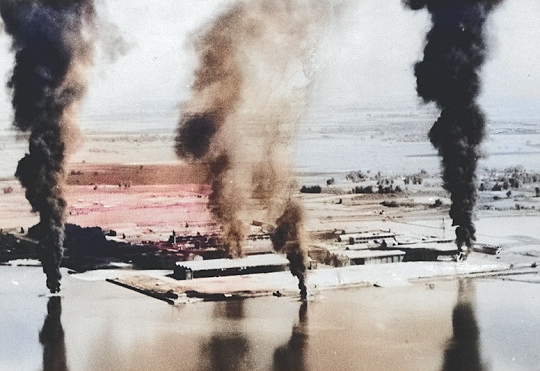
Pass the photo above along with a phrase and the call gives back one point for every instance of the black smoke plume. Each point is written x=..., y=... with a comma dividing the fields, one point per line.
x=449, y=76
x=256, y=63
x=51, y=54
x=288, y=238
x=217, y=88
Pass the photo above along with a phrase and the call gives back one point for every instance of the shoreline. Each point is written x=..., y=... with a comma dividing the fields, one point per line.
x=158, y=284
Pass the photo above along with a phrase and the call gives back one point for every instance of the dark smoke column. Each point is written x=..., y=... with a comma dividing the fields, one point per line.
x=448, y=75
x=51, y=53
x=216, y=92
x=288, y=238
x=251, y=88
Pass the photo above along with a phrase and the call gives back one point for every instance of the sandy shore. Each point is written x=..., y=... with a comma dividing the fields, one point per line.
x=283, y=283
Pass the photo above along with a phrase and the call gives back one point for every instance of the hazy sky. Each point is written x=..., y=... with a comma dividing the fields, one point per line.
x=366, y=57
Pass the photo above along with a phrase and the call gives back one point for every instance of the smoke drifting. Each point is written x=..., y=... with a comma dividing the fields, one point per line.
x=52, y=53
x=288, y=237
x=448, y=75
x=251, y=88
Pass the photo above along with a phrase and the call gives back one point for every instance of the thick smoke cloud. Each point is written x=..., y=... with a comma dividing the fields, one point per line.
x=449, y=76
x=52, y=53
x=250, y=90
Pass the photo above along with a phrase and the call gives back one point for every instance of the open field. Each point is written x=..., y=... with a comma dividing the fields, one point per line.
x=160, y=198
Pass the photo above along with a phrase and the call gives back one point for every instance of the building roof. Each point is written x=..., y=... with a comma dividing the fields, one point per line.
x=250, y=261
x=366, y=235
x=368, y=254
x=326, y=246
x=435, y=246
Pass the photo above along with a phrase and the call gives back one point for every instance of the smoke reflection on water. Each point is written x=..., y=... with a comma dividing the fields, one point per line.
x=227, y=350
x=447, y=326
x=463, y=349
x=291, y=356
x=233, y=350
x=51, y=337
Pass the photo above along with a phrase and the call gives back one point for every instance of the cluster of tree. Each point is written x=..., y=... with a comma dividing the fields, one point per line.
x=505, y=185
x=512, y=177
x=508, y=195
x=393, y=203
x=124, y=184
x=311, y=189
x=415, y=178
x=356, y=176
x=364, y=190
x=390, y=189
x=412, y=180
x=436, y=204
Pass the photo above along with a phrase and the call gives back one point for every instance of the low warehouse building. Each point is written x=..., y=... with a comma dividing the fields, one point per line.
x=266, y=263
x=361, y=257
x=428, y=251
x=366, y=237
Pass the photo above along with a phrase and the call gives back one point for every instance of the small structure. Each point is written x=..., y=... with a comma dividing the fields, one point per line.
x=362, y=257
x=266, y=263
x=428, y=251
x=17, y=246
x=366, y=237
x=486, y=248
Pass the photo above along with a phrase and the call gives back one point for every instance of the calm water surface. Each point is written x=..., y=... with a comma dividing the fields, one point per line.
x=480, y=324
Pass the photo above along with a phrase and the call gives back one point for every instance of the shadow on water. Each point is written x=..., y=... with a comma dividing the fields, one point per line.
x=227, y=350
x=291, y=356
x=51, y=337
x=463, y=349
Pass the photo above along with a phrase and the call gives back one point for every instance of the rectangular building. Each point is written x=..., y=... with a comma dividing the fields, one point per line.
x=361, y=257
x=265, y=263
